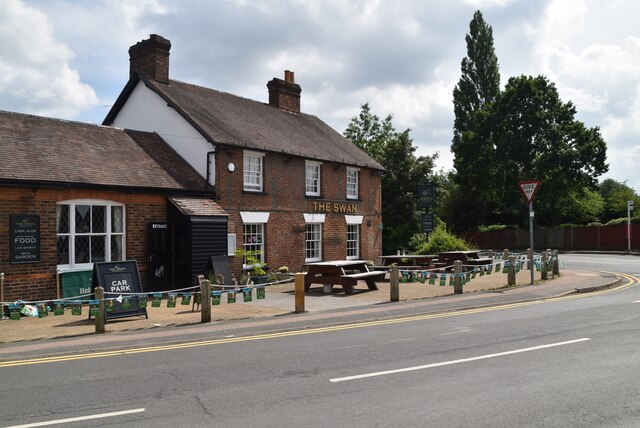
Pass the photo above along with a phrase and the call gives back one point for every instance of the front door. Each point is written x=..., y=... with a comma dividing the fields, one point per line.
x=160, y=273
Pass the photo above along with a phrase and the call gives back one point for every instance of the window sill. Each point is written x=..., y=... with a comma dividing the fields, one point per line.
x=254, y=192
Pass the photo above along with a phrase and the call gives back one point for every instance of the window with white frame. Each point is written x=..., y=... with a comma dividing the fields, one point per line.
x=253, y=240
x=89, y=231
x=353, y=241
x=313, y=242
x=312, y=178
x=352, y=183
x=253, y=171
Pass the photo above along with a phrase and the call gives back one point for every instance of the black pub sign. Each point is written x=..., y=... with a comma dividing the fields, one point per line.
x=428, y=222
x=24, y=240
x=427, y=195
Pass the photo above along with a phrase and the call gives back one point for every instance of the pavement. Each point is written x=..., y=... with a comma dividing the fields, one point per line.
x=67, y=332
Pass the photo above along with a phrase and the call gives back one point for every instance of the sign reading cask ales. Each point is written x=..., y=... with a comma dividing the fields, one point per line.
x=25, y=238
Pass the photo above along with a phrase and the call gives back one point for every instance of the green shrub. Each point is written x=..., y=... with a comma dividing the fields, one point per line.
x=493, y=227
x=441, y=240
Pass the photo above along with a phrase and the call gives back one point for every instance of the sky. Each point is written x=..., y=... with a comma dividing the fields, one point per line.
x=69, y=59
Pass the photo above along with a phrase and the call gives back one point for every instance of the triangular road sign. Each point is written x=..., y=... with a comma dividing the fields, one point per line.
x=529, y=189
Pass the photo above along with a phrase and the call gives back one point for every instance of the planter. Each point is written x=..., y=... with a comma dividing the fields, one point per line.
x=262, y=279
x=284, y=276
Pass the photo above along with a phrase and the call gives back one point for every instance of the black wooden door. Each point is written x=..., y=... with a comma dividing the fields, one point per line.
x=160, y=274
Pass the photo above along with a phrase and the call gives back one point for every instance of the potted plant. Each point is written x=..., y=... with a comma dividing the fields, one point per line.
x=255, y=267
x=283, y=273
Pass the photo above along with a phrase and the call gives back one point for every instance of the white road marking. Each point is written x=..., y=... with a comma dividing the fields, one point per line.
x=80, y=418
x=458, y=330
x=464, y=360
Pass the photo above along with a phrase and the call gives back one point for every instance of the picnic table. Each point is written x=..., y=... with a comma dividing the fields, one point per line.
x=341, y=272
x=466, y=257
x=421, y=260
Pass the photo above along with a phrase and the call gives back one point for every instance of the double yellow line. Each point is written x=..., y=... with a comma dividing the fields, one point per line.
x=630, y=280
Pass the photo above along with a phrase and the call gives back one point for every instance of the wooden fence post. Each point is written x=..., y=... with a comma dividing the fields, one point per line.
x=505, y=255
x=99, y=292
x=556, y=263
x=457, y=280
x=394, y=283
x=544, y=264
x=511, y=275
x=299, y=292
x=205, y=301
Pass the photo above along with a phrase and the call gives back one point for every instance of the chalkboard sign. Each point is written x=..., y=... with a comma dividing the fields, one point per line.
x=119, y=277
x=25, y=238
x=427, y=222
x=427, y=195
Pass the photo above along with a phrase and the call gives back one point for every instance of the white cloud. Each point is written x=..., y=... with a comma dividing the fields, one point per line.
x=34, y=67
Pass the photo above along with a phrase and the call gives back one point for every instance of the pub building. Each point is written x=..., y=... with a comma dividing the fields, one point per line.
x=179, y=173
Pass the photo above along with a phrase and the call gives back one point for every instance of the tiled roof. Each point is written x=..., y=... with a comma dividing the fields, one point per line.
x=232, y=120
x=35, y=148
x=198, y=206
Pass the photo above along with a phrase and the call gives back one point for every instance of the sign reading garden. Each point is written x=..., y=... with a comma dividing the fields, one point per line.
x=25, y=238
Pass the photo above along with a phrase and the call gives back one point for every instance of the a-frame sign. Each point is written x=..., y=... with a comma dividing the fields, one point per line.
x=529, y=189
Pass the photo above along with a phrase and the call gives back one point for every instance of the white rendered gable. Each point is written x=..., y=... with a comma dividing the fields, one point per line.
x=147, y=111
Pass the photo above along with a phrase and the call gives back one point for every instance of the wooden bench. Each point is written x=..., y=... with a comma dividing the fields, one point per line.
x=480, y=261
x=370, y=277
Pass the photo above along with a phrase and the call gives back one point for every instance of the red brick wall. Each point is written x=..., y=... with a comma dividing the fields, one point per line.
x=284, y=197
x=36, y=281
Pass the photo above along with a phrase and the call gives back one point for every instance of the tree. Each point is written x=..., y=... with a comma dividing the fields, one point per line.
x=616, y=195
x=479, y=84
x=533, y=135
x=480, y=80
x=396, y=153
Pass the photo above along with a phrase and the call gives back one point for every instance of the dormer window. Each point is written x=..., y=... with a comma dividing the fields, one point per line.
x=312, y=178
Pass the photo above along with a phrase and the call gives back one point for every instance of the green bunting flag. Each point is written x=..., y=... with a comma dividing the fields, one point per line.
x=42, y=310
x=246, y=294
x=432, y=278
x=126, y=303
x=108, y=305
x=260, y=292
x=14, y=312
x=94, y=308
x=451, y=280
x=197, y=298
x=231, y=296
x=498, y=267
x=76, y=307
x=215, y=297
x=468, y=277
x=186, y=299
x=171, y=300
x=443, y=280
x=156, y=301
x=473, y=274
x=58, y=308
x=142, y=301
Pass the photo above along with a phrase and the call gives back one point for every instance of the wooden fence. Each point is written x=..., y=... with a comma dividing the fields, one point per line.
x=592, y=238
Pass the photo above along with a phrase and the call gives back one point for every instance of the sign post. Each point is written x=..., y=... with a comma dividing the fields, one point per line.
x=629, y=209
x=528, y=189
x=427, y=202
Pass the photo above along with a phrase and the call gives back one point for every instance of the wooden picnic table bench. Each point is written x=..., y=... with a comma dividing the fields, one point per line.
x=422, y=260
x=332, y=273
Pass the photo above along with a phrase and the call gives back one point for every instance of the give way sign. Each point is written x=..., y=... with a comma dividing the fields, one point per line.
x=529, y=189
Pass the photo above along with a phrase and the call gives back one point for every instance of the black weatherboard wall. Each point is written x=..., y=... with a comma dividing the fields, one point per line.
x=195, y=239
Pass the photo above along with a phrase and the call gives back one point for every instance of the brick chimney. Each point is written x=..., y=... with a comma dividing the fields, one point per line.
x=285, y=94
x=151, y=58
